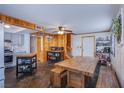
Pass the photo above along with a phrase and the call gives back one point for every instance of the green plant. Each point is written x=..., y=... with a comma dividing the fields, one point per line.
x=117, y=29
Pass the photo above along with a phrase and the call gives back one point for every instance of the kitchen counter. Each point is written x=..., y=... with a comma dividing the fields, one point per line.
x=26, y=55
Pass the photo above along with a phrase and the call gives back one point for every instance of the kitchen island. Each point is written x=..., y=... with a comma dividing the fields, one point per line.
x=25, y=63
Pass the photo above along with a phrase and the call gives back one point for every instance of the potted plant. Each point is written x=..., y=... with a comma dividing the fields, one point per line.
x=117, y=29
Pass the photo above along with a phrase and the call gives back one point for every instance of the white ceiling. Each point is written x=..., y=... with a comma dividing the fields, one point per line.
x=80, y=18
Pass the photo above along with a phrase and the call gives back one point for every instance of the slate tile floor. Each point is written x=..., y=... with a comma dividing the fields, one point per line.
x=40, y=79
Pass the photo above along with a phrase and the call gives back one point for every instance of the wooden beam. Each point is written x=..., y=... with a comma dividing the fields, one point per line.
x=17, y=22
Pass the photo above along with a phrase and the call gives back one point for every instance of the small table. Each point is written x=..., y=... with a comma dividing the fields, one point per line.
x=81, y=66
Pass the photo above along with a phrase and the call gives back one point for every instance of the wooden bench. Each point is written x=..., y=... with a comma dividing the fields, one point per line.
x=75, y=79
x=107, y=78
x=58, y=77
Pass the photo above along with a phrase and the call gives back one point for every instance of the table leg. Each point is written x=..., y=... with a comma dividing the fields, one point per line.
x=81, y=76
x=68, y=79
x=83, y=81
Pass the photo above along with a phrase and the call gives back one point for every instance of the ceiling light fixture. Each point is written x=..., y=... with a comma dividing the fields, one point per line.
x=7, y=26
x=61, y=32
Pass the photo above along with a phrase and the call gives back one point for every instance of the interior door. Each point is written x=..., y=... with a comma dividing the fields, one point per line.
x=88, y=46
x=33, y=44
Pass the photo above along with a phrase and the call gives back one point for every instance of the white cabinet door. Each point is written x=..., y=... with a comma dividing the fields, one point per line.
x=21, y=39
x=88, y=46
x=15, y=39
x=7, y=36
x=2, y=84
x=1, y=73
x=18, y=39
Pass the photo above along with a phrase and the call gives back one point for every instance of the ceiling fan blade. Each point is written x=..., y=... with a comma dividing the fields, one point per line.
x=52, y=29
x=73, y=33
x=55, y=32
x=68, y=30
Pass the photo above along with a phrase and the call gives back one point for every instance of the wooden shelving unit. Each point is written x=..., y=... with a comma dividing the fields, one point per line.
x=26, y=64
x=103, y=49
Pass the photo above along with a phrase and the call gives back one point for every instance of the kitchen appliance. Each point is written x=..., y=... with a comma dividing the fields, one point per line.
x=8, y=58
x=8, y=53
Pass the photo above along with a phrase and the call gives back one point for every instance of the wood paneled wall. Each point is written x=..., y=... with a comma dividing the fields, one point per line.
x=57, y=40
x=38, y=47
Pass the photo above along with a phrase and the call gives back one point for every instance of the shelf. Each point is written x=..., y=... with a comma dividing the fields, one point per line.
x=103, y=40
x=26, y=64
x=53, y=56
x=103, y=46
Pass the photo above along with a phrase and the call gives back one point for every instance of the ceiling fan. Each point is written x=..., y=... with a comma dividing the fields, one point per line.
x=60, y=30
x=40, y=30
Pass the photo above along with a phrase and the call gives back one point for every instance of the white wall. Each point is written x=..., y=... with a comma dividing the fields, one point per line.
x=118, y=61
x=1, y=55
x=77, y=42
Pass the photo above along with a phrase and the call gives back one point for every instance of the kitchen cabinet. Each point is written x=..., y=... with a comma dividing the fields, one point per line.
x=15, y=39
x=8, y=36
x=18, y=39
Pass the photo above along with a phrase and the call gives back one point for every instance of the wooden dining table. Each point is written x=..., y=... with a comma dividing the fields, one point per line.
x=78, y=68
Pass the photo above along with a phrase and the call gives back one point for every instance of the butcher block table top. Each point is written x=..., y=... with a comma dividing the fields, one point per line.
x=26, y=55
x=85, y=65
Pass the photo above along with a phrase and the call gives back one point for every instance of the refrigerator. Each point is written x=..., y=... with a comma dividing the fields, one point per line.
x=2, y=77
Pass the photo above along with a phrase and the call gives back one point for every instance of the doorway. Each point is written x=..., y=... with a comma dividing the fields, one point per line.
x=33, y=44
x=88, y=46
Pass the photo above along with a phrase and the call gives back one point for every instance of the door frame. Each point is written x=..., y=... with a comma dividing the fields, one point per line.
x=82, y=44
